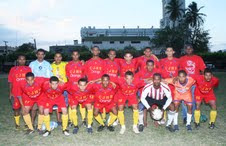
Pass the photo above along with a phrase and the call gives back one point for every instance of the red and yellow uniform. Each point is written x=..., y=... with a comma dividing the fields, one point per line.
x=112, y=69
x=124, y=66
x=192, y=64
x=74, y=71
x=141, y=62
x=16, y=76
x=169, y=68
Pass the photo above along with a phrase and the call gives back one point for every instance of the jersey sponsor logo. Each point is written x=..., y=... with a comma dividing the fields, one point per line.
x=190, y=67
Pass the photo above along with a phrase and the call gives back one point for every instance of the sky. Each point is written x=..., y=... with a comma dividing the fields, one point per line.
x=59, y=22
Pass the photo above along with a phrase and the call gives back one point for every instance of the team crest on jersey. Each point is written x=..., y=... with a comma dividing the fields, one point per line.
x=190, y=67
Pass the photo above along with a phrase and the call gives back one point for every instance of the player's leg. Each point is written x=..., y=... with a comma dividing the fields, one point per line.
x=135, y=118
x=121, y=118
x=175, y=119
x=17, y=118
x=197, y=115
x=170, y=115
x=141, y=116
x=34, y=113
x=64, y=120
x=83, y=114
x=189, y=116
x=98, y=118
x=113, y=115
x=40, y=118
x=27, y=118
x=46, y=121
x=89, y=118
x=184, y=112
x=58, y=116
x=74, y=118
x=213, y=113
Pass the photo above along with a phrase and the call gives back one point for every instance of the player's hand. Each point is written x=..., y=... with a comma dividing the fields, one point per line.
x=175, y=80
x=10, y=95
x=113, y=84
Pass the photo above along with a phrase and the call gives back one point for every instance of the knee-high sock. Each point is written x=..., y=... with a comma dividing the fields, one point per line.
x=99, y=119
x=104, y=114
x=141, y=117
x=121, y=118
x=170, y=115
x=135, y=117
x=112, y=119
x=64, y=121
x=213, y=116
x=17, y=120
x=74, y=117
x=69, y=114
x=82, y=112
x=46, y=121
x=175, y=119
x=27, y=120
x=164, y=116
x=197, y=115
x=188, y=119
x=90, y=118
x=40, y=121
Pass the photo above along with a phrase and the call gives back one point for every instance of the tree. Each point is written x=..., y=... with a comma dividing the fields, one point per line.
x=26, y=47
x=174, y=10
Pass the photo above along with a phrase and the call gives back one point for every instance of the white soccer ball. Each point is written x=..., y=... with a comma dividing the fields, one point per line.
x=52, y=126
x=157, y=114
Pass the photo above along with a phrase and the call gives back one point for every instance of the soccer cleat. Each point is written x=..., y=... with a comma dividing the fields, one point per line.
x=25, y=128
x=75, y=130
x=84, y=123
x=90, y=130
x=189, y=128
x=46, y=133
x=35, y=127
x=115, y=123
x=197, y=126
x=141, y=127
x=59, y=123
x=29, y=131
x=212, y=125
x=123, y=129
x=185, y=120
x=100, y=128
x=170, y=129
x=17, y=127
x=66, y=132
x=40, y=132
x=111, y=128
x=176, y=128
x=70, y=124
x=135, y=129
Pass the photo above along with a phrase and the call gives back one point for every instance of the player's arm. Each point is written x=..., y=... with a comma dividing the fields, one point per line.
x=10, y=83
x=144, y=94
x=168, y=95
x=19, y=96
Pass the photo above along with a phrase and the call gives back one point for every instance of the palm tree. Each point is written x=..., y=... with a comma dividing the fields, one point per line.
x=193, y=17
x=174, y=10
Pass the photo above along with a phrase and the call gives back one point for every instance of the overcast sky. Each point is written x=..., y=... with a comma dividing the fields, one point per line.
x=59, y=21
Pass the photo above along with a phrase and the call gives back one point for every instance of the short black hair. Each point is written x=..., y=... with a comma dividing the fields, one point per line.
x=83, y=80
x=208, y=70
x=150, y=61
x=75, y=51
x=41, y=50
x=95, y=47
x=53, y=79
x=128, y=52
x=182, y=72
x=157, y=75
x=188, y=46
x=29, y=74
x=129, y=73
x=21, y=55
x=111, y=50
x=147, y=48
x=105, y=76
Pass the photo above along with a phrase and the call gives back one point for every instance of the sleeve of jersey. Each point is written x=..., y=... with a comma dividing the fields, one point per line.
x=202, y=65
x=168, y=95
x=144, y=94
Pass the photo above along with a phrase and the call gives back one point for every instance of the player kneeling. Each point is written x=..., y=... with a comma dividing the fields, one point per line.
x=104, y=94
x=53, y=91
x=156, y=97
x=204, y=91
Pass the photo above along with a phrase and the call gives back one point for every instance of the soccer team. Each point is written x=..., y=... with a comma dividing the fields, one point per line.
x=99, y=86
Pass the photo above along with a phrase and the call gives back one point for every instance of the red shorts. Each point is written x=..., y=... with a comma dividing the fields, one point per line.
x=16, y=103
x=121, y=99
x=31, y=101
x=206, y=97
x=74, y=102
x=106, y=106
x=49, y=103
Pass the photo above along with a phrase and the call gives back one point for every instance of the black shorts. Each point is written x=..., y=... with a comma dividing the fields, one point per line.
x=159, y=103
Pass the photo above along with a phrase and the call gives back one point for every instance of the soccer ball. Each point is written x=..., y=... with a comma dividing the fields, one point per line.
x=52, y=126
x=157, y=114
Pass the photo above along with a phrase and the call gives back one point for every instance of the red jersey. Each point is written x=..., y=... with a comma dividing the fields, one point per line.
x=169, y=68
x=74, y=71
x=51, y=93
x=204, y=86
x=103, y=95
x=94, y=68
x=112, y=69
x=17, y=75
x=192, y=64
x=145, y=74
x=124, y=66
x=141, y=62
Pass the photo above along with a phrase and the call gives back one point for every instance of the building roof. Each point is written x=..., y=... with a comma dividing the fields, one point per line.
x=116, y=38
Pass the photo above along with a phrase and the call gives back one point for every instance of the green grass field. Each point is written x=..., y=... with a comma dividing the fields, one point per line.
x=150, y=136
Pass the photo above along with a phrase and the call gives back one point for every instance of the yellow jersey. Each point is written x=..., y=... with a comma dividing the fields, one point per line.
x=59, y=70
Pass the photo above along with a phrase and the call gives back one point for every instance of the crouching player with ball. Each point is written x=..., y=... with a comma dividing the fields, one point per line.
x=53, y=91
x=158, y=94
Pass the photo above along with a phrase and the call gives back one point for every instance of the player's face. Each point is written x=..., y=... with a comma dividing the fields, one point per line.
x=150, y=66
x=208, y=76
x=54, y=85
x=128, y=57
x=182, y=78
x=147, y=52
x=21, y=60
x=30, y=80
x=156, y=81
x=129, y=79
x=82, y=86
x=189, y=50
x=112, y=55
x=75, y=56
x=58, y=58
x=40, y=56
x=105, y=81
x=169, y=52
x=95, y=52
